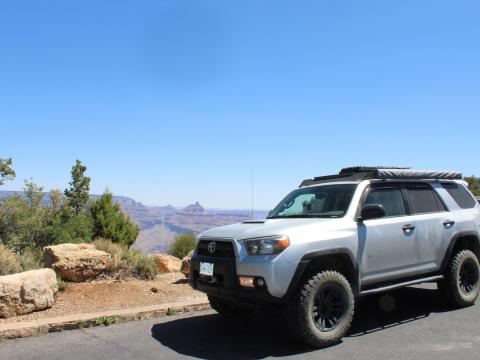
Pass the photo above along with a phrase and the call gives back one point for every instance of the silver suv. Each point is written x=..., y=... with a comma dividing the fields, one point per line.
x=365, y=230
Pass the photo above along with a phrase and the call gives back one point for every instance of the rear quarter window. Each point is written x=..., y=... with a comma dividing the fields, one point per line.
x=461, y=195
x=423, y=199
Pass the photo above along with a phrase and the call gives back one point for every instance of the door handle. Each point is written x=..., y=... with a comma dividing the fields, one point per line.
x=408, y=228
x=448, y=223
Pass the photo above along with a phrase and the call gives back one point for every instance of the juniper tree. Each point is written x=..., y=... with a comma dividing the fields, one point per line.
x=110, y=222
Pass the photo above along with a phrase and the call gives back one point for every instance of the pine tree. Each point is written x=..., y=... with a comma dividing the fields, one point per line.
x=77, y=193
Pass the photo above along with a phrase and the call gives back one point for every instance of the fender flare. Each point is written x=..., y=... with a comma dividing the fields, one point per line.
x=312, y=255
x=453, y=241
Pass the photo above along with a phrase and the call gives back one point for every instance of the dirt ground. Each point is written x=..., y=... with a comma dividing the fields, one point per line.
x=115, y=294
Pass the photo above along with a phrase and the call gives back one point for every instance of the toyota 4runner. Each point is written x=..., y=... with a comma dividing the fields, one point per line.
x=336, y=238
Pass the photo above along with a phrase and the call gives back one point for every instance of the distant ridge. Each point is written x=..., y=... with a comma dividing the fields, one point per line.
x=160, y=224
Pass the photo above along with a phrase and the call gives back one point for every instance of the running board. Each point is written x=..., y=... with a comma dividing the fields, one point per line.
x=403, y=284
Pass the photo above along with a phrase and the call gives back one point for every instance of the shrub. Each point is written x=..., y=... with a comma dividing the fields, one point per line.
x=140, y=265
x=31, y=259
x=108, y=246
x=126, y=262
x=61, y=284
x=105, y=321
x=182, y=245
x=67, y=227
x=9, y=261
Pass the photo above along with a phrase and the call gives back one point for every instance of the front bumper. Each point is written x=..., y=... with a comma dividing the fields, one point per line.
x=225, y=282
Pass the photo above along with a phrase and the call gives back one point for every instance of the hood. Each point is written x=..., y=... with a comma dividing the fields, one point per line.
x=266, y=227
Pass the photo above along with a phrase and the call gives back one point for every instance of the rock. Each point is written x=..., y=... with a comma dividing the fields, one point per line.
x=167, y=263
x=26, y=292
x=186, y=261
x=76, y=262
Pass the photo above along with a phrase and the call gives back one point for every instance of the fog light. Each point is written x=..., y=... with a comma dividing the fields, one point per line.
x=246, y=281
x=260, y=282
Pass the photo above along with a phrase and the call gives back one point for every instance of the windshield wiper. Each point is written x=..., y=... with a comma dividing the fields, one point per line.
x=301, y=216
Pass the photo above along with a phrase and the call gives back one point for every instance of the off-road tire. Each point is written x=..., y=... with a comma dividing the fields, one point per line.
x=228, y=308
x=303, y=310
x=462, y=279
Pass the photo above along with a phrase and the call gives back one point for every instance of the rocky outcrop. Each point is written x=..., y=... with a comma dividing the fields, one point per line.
x=76, y=262
x=186, y=263
x=26, y=292
x=167, y=263
x=193, y=209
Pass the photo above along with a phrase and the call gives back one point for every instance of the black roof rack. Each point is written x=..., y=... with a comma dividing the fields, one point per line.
x=359, y=173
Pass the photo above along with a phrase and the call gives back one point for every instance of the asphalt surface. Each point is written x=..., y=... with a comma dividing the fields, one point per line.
x=412, y=323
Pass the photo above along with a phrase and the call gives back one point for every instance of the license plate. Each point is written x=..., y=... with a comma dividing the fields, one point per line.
x=206, y=268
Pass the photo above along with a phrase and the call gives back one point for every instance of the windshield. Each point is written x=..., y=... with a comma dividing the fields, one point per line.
x=330, y=201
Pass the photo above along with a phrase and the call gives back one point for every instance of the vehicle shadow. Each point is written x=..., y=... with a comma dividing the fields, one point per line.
x=264, y=335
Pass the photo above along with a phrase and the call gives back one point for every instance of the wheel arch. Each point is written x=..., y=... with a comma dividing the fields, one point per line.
x=338, y=259
x=465, y=240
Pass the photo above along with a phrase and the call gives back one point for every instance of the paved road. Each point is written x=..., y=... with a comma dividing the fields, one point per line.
x=412, y=323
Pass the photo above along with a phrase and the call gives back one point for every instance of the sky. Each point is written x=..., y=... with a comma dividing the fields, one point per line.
x=172, y=102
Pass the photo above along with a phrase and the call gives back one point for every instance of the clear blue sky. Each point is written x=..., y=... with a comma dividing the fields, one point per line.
x=175, y=101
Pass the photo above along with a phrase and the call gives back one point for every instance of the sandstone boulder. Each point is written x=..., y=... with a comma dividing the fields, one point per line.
x=167, y=263
x=186, y=262
x=76, y=262
x=26, y=292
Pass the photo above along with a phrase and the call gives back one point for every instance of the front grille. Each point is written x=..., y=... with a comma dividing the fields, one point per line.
x=223, y=249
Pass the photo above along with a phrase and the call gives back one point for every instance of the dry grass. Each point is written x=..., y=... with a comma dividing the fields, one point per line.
x=126, y=262
x=31, y=259
x=9, y=261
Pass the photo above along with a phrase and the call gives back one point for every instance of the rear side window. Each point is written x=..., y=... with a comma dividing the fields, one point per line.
x=390, y=198
x=461, y=195
x=423, y=199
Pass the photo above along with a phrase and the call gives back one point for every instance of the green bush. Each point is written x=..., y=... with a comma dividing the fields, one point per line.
x=182, y=245
x=62, y=284
x=9, y=261
x=105, y=321
x=109, y=221
x=67, y=227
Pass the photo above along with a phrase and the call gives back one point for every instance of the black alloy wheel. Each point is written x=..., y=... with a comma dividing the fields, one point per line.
x=329, y=307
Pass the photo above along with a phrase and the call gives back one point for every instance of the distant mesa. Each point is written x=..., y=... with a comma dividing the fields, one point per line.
x=194, y=209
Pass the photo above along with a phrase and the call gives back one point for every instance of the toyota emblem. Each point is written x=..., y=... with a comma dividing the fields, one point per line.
x=212, y=247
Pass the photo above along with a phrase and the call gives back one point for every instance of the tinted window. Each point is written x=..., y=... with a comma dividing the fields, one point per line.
x=461, y=195
x=390, y=198
x=424, y=199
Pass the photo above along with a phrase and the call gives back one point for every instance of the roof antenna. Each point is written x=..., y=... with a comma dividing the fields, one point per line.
x=253, y=218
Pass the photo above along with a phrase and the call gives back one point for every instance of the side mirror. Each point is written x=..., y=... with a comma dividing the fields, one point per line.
x=373, y=211
x=269, y=213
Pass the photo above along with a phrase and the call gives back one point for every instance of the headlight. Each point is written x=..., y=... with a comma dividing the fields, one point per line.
x=266, y=245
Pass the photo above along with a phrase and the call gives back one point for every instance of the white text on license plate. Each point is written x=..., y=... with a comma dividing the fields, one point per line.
x=206, y=269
